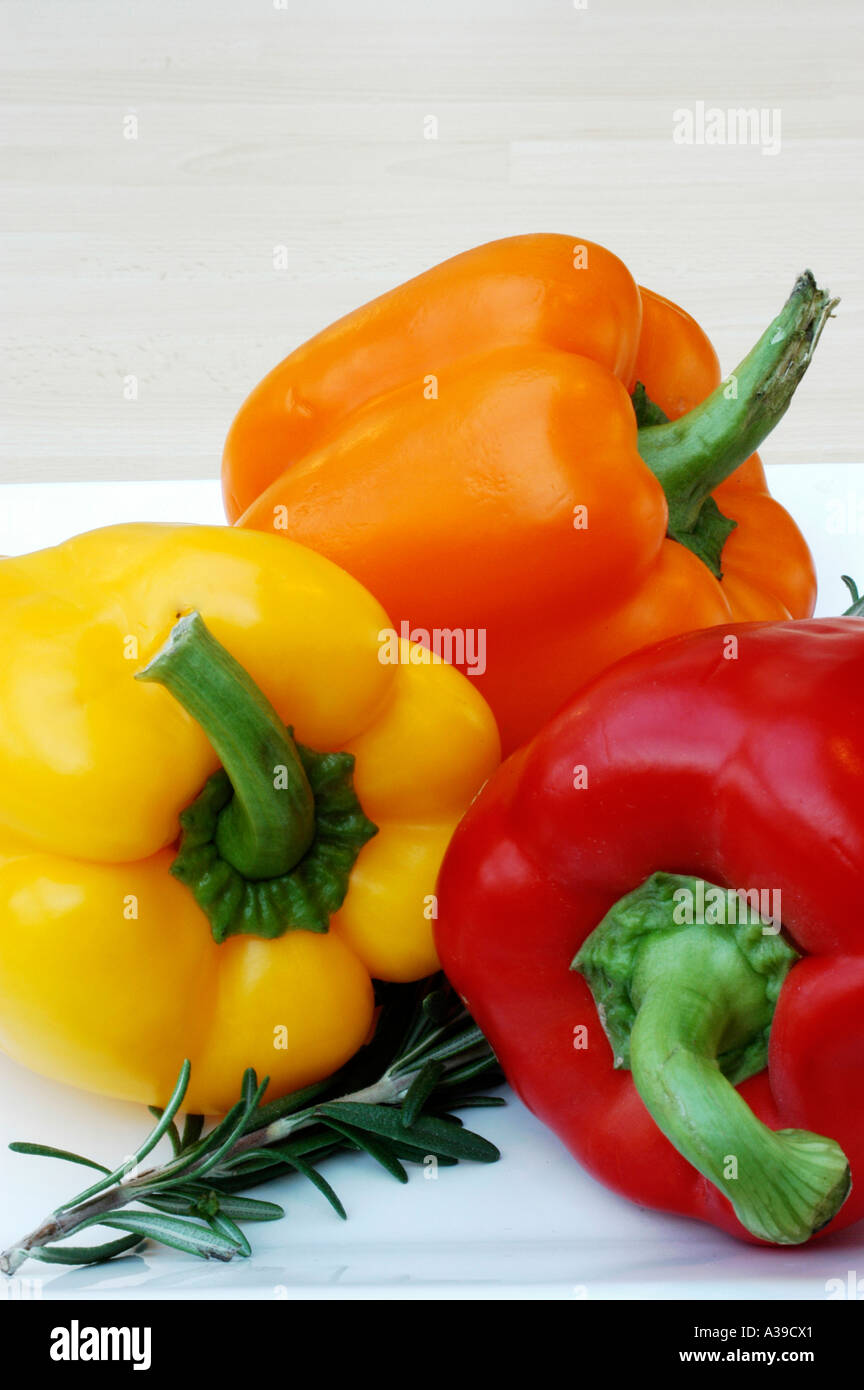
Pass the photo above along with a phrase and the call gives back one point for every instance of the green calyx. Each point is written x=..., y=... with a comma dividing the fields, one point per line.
x=645, y=410
x=306, y=896
x=269, y=844
x=609, y=957
x=694, y=454
x=856, y=608
x=687, y=1006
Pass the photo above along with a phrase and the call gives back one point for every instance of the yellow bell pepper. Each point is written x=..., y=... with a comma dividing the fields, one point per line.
x=136, y=659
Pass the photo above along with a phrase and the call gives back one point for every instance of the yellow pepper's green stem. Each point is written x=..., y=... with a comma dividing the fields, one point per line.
x=269, y=844
x=269, y=823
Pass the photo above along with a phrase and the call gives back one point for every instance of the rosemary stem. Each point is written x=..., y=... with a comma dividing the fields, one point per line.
x=452, y=1047
x=390, y=1088
x=386, y=1090
x=64, y=1223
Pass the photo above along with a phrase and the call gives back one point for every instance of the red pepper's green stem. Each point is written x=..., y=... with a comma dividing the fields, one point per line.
x=269, y=823
x=691, y=456
x=696, y=996
x=688, y=1007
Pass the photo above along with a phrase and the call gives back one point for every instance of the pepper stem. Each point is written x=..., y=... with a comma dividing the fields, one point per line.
x=856, y=608
x=688, y=1007
x=691, y=456
x=269, y=823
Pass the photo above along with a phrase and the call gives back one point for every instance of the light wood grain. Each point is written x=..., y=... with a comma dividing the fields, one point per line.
x=303, y=127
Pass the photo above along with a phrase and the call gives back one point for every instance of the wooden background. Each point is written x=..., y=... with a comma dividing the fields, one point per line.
x=300, y=124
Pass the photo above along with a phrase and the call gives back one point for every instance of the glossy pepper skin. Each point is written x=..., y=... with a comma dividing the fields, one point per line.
x=746, y=771
x=439, y=442
x=109, y=973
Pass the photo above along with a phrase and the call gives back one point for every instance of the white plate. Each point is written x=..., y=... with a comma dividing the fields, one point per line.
x=531, y=1226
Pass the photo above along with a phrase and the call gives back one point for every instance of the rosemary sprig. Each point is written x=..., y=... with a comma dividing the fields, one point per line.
x=392, y=1101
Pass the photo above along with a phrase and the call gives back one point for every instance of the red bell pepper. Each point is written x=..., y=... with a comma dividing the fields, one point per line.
x=717, y=1068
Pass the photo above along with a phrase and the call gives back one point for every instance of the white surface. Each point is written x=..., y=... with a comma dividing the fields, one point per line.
x=301, y=125
x=532, y=1226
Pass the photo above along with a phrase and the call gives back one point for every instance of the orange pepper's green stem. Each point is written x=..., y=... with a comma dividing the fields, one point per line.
x=691, y=456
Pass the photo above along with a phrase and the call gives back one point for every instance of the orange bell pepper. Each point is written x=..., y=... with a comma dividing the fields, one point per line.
x=466, y=445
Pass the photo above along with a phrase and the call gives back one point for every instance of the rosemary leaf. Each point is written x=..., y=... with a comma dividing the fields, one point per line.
x=390, y=1100
x=241, y=1180
x=46, y=1151
x=474, y=1102
x=225, y=1128
x=438, y=1004
x=181, y=1234
x=419, y=1091
x=316, y=1180
x=204, y=1155
x=171, y=1203
x=224, y=1226
x=453, y=1045
x=441, y=1135
x=478, y=1067
x=249, y=1209
x=192, y=1127
x=149, y=1143
x=363, y=1140
x=172, y=1132
x=409, y=1153
x=251, y=1098
x=287, y=1105
x=255, y=1159
x=85, y=1254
